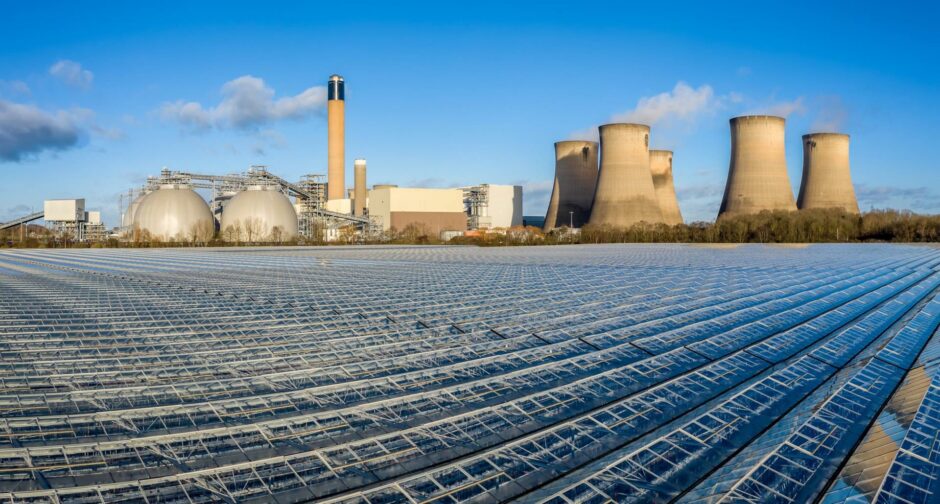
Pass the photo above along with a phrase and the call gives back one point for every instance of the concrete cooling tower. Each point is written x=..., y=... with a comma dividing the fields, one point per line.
x=757, y=175
x=174, y=212
x=826, y=179
x=625, y=195
x=259, y=214
x=336, y=138
x=575, y=181
x=661, y=169
x=359, y=187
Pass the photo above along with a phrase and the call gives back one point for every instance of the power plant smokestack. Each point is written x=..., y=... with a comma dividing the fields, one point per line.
x=336, y=143
x=359, y=187
x=757, y=174
x=625, y=194
x=826, y=179
x=661, y=169
x=575, y=180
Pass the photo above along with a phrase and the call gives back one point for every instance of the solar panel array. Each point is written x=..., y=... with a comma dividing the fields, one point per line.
x=575, y=374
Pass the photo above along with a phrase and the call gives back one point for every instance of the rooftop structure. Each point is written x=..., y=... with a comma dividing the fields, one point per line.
x=618, y=373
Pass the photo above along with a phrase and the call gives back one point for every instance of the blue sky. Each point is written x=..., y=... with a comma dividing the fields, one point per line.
x=95, y=96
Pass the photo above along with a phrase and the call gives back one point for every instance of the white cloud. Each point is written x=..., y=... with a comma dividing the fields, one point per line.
x=683, y=104
x=26, y=131
x=72, y=73
x=247, y=103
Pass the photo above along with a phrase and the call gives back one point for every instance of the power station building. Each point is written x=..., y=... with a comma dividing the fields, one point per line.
x=826, y=182
x=574, y=184
x=757, y=174
x=436, y=210
x=625, y=194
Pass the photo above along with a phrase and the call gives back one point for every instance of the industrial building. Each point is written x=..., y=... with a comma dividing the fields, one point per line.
x=757, y=173
x=68, y=219
x=491, y=206
x=562, y=375
x=625, y=194
x=434, y=210
x=826, y=182
x=574, y=185
x=661, y=169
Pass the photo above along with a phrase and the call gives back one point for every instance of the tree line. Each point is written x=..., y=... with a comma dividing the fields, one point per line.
x=804, y=226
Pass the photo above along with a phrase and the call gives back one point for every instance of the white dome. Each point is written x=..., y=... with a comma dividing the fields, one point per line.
x=128, y=219
x=174, y=213
x=252, y=215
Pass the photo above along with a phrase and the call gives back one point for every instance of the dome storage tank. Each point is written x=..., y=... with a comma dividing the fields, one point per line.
x=174, y=212
x=260, y=213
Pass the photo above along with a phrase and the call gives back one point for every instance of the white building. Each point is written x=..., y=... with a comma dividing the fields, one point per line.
x=491, y=206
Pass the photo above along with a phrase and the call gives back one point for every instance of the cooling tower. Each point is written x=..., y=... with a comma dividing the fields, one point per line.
x=625, y=195
x=575, y=181
x=359, y=186
x=336, y=143
x=826, y=179
x=174, y=212
x=757, y=174
x=259, y=214
x=661, y=169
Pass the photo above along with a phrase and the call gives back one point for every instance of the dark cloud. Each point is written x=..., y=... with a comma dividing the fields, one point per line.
x=26, y=131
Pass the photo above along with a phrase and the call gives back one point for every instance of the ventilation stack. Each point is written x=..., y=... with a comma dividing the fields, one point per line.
x=625, y=195
x=757, y=174
x=827, y=182
x=336, y=141
x=359, y=187
x=661, y=169
x=575, y=180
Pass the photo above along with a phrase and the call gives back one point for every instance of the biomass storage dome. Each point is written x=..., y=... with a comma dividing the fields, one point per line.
x=174, y=212
x=261, y=213
x=128, y=219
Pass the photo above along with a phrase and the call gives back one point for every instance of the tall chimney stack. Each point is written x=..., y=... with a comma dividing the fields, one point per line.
x=336, y=143
x=359, y=187
x=827, y=182
x=757, y=174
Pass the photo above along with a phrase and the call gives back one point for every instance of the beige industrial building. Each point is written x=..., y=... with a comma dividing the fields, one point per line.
x=574, y=185
x=259, y=214
x=827, y=182
x=757, y=174
x=336, y=138
x=436, y=209
x=661, y=169
x=625, y=194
